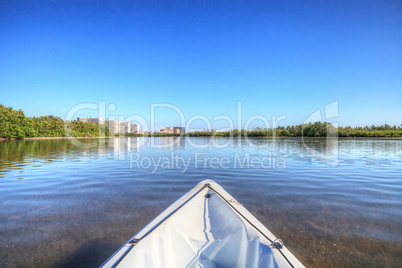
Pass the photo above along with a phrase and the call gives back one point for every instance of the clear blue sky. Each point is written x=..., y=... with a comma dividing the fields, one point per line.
x=277, y=57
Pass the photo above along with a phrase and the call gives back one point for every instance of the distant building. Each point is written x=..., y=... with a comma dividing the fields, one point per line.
x=113, y=125
x=145, y=132
x=165, y=130
x=124, y=127
x=134, y=128
x=91, y=119
x=206, y=130
x=179, y=129
x=127, y=127
x=83, y=119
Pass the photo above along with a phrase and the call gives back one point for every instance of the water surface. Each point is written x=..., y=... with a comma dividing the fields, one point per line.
x=63, y=205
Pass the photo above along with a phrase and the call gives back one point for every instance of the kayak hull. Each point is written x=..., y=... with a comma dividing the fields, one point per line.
x=206, y=227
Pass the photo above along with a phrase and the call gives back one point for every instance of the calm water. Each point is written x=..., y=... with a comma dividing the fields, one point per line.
x=68, y=206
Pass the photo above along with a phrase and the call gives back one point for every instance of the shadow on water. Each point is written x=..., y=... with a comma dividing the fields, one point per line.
x=89, y=254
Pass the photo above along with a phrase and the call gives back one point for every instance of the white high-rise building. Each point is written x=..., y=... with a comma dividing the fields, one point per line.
x=134, y=128
x=90, y=119
x=113, y=125
x=124, y=127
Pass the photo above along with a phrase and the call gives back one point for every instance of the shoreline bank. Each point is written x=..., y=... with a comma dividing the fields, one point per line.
x=52, y=138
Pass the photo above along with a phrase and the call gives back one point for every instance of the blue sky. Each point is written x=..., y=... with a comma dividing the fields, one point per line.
x=277, y=57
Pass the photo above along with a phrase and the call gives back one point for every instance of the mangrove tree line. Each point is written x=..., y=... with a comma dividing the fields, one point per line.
x=14, y=124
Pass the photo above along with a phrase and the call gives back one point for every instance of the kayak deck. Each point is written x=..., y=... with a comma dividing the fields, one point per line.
x=206, y=227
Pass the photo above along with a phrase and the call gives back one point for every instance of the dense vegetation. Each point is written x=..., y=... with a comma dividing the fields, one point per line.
x=14, y=124
x=317, y=129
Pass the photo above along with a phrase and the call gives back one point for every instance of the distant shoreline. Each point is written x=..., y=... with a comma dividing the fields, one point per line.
x=159, y=136
x=341, y=138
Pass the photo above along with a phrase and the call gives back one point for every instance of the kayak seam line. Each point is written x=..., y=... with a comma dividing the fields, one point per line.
x=122, y=256
x=249, y=222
